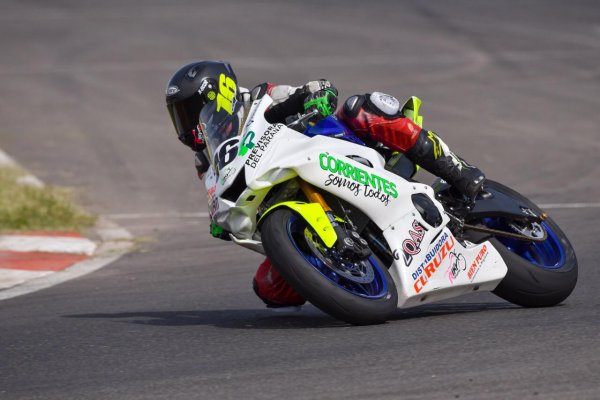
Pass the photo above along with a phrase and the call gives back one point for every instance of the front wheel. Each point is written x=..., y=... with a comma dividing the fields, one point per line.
x=359, y=293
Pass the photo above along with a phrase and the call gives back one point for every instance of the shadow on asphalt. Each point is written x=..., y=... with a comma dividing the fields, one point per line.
x=309, y=317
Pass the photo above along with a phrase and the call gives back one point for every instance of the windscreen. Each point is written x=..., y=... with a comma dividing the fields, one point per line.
x=218, y=125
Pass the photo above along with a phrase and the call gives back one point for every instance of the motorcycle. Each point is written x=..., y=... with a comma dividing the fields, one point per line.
x=357, y=237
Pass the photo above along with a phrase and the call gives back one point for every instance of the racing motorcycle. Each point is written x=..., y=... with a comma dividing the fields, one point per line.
x=357, y=237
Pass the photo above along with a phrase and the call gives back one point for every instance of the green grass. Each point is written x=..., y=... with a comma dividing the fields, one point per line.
x=24, y=207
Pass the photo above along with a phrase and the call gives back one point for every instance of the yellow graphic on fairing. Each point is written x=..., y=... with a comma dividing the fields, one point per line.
x=227, y=89
x=313, y=214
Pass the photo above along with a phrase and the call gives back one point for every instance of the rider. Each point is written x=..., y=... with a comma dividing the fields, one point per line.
x=375, y=117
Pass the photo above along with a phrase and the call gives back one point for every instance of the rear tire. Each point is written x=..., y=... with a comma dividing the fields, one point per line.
x=282, y=236
x=550, y=281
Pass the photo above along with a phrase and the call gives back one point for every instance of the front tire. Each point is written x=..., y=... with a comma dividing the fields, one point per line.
x=362, y=296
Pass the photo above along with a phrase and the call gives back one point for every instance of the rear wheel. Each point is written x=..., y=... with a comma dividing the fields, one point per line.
x=360, y=292
x=539, y=274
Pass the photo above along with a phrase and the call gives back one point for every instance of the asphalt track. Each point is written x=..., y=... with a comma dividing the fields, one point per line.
x=513, y=86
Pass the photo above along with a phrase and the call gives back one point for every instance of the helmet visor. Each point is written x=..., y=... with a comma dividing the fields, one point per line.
x=184, y=113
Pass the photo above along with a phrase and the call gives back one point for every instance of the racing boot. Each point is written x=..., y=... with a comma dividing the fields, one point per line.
x=379, y=118
x=431, y=153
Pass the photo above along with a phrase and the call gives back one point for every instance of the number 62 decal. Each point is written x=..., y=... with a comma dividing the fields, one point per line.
x=227, y=152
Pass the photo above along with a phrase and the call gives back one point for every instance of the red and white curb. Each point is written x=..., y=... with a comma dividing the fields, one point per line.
x=29, y=263
x=32, y=255
x=37, y=260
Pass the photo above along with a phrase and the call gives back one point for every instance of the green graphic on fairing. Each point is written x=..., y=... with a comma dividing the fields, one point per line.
x=247, y=143
x=330, y=163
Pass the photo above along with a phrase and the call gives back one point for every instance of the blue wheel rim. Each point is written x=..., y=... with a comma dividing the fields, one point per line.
x=376, y=289
x=549, y=254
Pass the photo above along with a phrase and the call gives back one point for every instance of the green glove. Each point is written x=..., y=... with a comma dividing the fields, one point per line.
x=218, y=232
x=324, y=101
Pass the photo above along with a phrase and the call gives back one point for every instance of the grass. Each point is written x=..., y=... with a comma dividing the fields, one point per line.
x=25, y=207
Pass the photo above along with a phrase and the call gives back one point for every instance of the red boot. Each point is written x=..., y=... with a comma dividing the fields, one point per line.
x=273, y=289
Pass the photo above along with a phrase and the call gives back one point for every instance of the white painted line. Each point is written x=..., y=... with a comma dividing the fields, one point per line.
x=14, y=277
x=569, y=205
x=47, y=244
x=110, y=231
x=159, y=215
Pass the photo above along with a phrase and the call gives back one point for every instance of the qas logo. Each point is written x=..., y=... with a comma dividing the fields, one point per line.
x=412, y=246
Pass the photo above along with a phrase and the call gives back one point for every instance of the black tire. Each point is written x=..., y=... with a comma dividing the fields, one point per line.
x=525, y=283
x=313, y=285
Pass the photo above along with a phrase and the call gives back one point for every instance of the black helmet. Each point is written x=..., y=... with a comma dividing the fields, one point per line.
x=189, y=90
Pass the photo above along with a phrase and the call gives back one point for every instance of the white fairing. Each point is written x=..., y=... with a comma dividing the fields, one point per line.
x=430, y=263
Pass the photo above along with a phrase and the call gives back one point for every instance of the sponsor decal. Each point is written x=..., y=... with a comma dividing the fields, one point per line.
x=457, y=263
x=203, y=86
x=210, y=193
x=213, y=201
x=258, y=148
x=412, y=246
x=226, y=173
x=433, y=260
x=479, y=259
x=171, y=90
x=247, y=143
x=210, y=94
x=192, y=72
x=430, y=256
x=356, y=188
x=357, y=180
x=334, y=180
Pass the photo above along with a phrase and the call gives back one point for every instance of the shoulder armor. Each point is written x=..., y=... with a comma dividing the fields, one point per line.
x=384, y=104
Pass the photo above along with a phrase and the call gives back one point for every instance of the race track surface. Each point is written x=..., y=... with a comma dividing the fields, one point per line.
x=512, y=86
